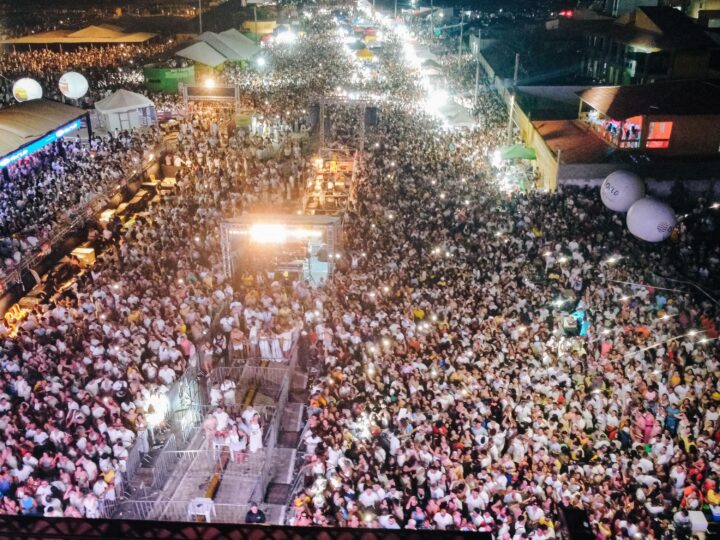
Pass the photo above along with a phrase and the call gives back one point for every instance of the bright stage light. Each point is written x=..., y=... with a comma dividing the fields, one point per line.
x=158, y=405
x=209, y=83
x=435, y=100
x=286, y=37
x=276, y=233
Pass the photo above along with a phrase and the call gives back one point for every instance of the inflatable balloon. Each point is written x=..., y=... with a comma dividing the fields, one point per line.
x=651, y=220
x=621, y=189
x=73, y=85
x=26, y=89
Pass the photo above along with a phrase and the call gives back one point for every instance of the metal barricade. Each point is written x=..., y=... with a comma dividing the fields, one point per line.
x=182, y=511
x=132, y=464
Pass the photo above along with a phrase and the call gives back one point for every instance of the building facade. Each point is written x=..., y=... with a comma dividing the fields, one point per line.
x=647, y=45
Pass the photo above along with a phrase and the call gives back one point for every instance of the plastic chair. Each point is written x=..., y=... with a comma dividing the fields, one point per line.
x=201, y=506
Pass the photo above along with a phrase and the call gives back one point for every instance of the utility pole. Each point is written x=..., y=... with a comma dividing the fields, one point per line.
x=395, y=16
x=257, y=35
x=510, y=119
x=477, y=78
x=432, y=19
x=517, y=68
x=477, y=66
x=200, y=14
x=462, y=25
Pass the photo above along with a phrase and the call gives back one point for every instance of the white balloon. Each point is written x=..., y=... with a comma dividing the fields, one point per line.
x=651, y=220
x=621, y=189
x=73, y=85
x=26, y=89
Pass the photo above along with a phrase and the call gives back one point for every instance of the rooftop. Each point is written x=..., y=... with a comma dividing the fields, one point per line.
x=90, y=34
x=658, y=28
x=577, y=143
x=682, y=98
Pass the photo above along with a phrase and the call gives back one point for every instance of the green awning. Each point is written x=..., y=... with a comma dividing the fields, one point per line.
x=517, y=151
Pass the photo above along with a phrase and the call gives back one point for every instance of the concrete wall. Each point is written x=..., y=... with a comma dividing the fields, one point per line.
x=692, y=135
x=698, y=176
x=660, y=188
x=546, y=162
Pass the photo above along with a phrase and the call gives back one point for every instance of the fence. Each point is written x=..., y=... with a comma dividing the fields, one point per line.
x=79, y=215
x=264, y=377
x=181, y=511
x=183, y=413
x=275, y=349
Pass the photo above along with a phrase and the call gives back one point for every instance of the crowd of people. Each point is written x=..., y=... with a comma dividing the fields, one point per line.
x=485, y=357
x=53, y=186
x=455, y=395
x=106, y=68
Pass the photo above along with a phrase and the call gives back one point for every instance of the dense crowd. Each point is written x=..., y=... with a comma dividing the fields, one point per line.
x=454, y=392
x=485, y=357
x=106, y=68
x=50, y=188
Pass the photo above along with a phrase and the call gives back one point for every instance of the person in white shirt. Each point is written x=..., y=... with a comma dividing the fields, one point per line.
x=368, y=498
x=442, y=519
x=228, y=391
x=222, y=418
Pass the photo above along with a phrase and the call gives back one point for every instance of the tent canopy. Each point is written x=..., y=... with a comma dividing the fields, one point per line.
x=221, y=45
x=122, y=101
x=364, y=54
x=202, y=53
x=244, y=45
x=229, y=47
x=430, y=63
x=517, y=151
x=91, y=34
x=25, y=122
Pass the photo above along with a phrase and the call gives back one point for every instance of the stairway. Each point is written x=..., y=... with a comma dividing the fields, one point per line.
x=285, y=454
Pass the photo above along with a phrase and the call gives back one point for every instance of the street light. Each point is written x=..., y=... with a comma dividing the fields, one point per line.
x=200, y=14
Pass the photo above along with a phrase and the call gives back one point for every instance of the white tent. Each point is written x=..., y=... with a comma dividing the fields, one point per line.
x=223, y=45
x=125, y=110
x=456, y=115
x=424, y=53
x=246, y=46
x=202, y=53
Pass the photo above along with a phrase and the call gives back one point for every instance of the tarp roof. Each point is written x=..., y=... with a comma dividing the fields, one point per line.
x=364, y=54
x=517, y=151
x=25, y=122
x=223, y=45
x=423, y=52
x=239, y=38
x=202, y=53
x=90, y=34
x=94, y=31
x=456, y=115
x=682, y=98
x=123, y=100
x=245, y=46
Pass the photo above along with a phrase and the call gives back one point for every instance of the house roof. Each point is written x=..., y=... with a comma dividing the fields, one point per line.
x=658, y=28
x=681, y=98
x=25, y=122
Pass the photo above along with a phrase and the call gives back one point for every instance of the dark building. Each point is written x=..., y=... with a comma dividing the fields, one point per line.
x=647, y=45
x=671, y=118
